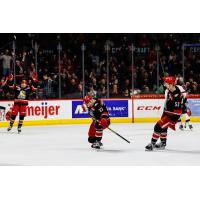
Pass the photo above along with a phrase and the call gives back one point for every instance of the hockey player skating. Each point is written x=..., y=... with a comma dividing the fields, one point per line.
x=174, y=98
x=99, y=114
x=22, y=93
x=186, y=113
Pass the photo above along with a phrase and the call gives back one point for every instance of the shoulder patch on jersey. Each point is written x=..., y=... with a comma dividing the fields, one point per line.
x=182, y=90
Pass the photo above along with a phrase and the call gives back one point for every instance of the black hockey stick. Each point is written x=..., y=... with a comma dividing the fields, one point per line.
x=112, y=131
x=118, y=135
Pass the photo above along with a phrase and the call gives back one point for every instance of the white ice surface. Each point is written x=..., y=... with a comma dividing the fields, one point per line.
x=67, y=145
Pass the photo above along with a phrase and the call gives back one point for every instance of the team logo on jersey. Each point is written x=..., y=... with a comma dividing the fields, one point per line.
x=22, y=95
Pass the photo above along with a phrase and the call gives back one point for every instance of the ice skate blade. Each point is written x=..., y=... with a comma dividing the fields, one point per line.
x=159, y=149
x=149, y=149
x=96, y=147
x=99, y=150
x=155, y=149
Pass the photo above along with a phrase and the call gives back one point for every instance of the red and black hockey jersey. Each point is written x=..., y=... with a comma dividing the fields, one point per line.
x=174, y=101
x=22, y=94
x=98, y=110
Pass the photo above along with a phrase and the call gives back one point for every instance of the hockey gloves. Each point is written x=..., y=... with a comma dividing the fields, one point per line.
x=104, y=123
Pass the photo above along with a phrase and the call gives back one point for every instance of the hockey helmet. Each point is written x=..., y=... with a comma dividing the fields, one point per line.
x=169, y=79
x=87, y=99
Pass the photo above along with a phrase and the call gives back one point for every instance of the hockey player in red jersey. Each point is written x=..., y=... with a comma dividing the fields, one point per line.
x=174, y=98
x=22, y=94
x=99, y=113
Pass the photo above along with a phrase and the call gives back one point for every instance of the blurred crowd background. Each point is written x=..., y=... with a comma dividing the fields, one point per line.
x=102, y=65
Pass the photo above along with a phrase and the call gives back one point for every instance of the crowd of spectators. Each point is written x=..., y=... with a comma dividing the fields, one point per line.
x=127, y=68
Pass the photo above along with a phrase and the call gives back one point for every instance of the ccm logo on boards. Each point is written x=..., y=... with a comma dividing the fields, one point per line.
x=148, y=107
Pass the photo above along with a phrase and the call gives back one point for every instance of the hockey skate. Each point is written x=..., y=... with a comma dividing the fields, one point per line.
x=97, y=145
x=149, y=147
x=19, y=129
x=190, y=127
x=181, y=127
x=9, y=128
x=160, y=146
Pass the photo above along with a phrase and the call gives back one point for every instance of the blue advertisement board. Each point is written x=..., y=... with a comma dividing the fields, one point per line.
x=116, y=108
x=194, y=105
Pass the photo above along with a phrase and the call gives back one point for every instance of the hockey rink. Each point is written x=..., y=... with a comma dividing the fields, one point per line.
x=67, y=145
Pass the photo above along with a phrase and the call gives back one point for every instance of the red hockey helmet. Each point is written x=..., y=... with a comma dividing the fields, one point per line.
x=170, y=79
x=87, y=99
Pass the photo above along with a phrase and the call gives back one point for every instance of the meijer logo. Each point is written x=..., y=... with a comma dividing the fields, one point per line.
x=43, y=110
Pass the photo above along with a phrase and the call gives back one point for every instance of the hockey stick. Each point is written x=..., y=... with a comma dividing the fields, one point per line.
x=118, y=135
x=112, y=131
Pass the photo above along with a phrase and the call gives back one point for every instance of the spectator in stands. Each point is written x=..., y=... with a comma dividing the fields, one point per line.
x=126, y=93
x=120, y=69
x=80, y=90
x=92, y=74
x=194, y=89
x=6, y=63
x=146, y=80
x=47, y=85
x=180, y=79
x=191, y=85
x=102, y=92
x=114, y=91
x=92, y=92
x=126, y=84
x=146, y=90
x=19, y=71
x=5, y=92
x=102, y=82
x=73, y=89
x=31, y=70
x=94, y=83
